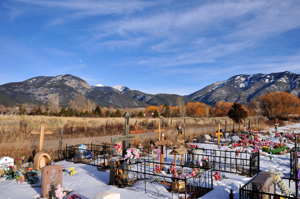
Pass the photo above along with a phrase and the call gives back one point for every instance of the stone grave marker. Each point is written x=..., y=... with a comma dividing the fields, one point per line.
x=207, y=137
x=5, y=162
x=40, y=160
x=200, y=140
x=226, y=135
x=263, y=182
x=51, y=176
x=235, y=138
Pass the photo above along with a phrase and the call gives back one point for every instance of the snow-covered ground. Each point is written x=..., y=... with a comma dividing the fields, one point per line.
x=88, y=181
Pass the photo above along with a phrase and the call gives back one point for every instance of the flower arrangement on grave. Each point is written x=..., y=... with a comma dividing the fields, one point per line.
x=72, y=171
x=153, y=158
x=152, y=147
x=157, y=169
x=32, y=176
x=217, y=176
x=131, y=154
x=173, y=169
x=106, y=164
x=285, y=190
x=59, y=191
x=141, y=147
x=117, y=148
x=19, y=176
x=74, y=196
x=10, y=173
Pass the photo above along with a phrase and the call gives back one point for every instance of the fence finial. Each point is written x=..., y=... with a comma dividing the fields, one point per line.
x=231, y=196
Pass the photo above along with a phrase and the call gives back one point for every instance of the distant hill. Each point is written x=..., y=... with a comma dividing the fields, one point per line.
x=245, y=88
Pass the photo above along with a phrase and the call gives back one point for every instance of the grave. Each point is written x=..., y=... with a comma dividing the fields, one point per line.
x=115, y=163
x=197, y=155
x=159, y=131
x=162, y=144
x=235, y=139
x=200, y=140
x=136, y=132
x=51, y=176
x=5, y=162
x=207, y=137
x=41, y=159
x=107, y=195
x=180, y=151
x=219, y=134
x=263, y=182
x=79, y=157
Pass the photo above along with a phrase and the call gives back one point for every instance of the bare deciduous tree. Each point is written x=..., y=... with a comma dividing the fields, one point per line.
x=181, y=105
x=53, y=102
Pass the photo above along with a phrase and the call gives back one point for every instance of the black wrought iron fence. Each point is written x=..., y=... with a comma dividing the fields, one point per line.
x=186, y=184
x=243, y=163
x=249, y=192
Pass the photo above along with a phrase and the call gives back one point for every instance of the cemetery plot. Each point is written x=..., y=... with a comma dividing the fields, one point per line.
x=178, y=180
x=227, y=161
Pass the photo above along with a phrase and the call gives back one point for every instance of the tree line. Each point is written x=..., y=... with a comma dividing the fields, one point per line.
x=272, y=105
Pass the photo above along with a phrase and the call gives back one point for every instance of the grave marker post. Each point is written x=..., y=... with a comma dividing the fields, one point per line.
x=218, y=134
x=41, y=132
x=159, y=131
x=136, y=132
x=60, y=138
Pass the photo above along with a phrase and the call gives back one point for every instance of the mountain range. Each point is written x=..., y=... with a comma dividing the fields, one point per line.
x=239, y=88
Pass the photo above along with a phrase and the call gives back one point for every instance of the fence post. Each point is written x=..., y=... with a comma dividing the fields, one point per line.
x=231, y=196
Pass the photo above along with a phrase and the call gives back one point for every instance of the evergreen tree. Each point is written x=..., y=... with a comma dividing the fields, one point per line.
x=63, y=112
x=166, y=111
x=141, y=114
x=118, y=113
x=107, y=113
x=155, y=114
x=237, y=113
x=97, y=111
x=39, y=111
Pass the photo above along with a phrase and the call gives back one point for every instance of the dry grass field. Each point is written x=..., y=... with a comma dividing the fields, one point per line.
x=16, y=130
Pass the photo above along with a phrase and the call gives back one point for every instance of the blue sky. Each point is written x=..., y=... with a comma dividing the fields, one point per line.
x=158, y=46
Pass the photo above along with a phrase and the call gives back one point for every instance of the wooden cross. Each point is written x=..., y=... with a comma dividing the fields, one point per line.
x=159, y=130
x=41, y=132
x=136, y=132
x=218, y=134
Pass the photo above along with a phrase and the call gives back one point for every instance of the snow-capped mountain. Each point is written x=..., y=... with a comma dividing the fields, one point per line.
x=245, y=88
x=121, y=88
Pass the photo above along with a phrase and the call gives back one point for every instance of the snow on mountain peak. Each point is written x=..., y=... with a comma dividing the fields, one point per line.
x=99, y=85
x=119, y=87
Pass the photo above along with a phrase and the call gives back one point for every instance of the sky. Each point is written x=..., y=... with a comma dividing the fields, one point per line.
x=162, y=46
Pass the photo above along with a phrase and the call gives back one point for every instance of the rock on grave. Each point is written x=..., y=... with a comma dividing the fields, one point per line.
x=263, y=182
x=5, y=162
x=107, y=195
x=235, y=138
x=51, y=176
x=200, y=140
x=207, y=137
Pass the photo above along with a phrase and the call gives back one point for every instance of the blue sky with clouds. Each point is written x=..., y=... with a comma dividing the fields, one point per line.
x=158, y=46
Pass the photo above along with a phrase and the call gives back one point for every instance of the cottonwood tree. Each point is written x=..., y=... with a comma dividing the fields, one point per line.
x=181, y=106
x=81, y=103
x=278, y=104
x=237, y=112
x=53, y=103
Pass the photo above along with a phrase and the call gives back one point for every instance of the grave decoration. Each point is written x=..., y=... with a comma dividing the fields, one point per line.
x=117, y=148
x=32, y=176
x=41, y=159
x=72, y=171
x=285, y=190
x=131, y=156
x=181, y=152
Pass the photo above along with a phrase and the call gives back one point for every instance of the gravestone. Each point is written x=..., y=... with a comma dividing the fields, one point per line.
x=51, y=176
x=197, y=155
x=263, y=182
x=40, y=160
x=200, y=140
x=226, y=135
x=115, y=162
x=235, y=138
x=207, y=137
x=107, y=195
x=5, y=162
